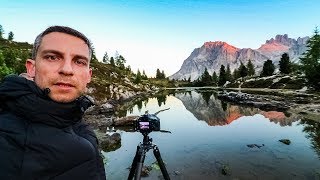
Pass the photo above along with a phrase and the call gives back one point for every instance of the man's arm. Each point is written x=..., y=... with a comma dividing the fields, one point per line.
x=84, y=130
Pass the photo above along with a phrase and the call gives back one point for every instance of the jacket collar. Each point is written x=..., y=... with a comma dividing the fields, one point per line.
x=24, y=98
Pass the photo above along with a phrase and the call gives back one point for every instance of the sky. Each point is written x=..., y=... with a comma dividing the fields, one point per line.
x=161, y=34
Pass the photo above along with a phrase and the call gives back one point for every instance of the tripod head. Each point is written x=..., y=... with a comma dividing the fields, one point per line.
x=145, y=124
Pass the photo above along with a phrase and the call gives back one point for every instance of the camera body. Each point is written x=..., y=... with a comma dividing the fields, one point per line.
x=147, y=123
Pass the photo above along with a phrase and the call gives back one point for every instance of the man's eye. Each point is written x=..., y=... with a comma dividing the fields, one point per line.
x=81, y=62
x=51, y=57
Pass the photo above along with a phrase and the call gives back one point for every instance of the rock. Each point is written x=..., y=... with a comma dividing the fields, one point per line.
x=146, y=171
x=254, y=145
x=125, y=121
x=285, y=141
x=107, y=106
x=110, y=142
x=225, y=170
x=98, y=120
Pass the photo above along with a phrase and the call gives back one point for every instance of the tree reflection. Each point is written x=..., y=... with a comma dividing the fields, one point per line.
x=224, y=105
x=122, y=113
x=313, y=130
x=206, y=95
x=161, y=99
x=139, y=105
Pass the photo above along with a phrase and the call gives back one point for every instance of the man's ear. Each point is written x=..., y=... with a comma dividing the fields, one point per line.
x=31, y=68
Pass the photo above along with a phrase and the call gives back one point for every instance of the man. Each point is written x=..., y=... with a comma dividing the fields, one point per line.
x=42, y=135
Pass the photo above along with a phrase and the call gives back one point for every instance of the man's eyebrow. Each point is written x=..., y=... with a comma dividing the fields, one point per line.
x=52, y=51
x=77, y=56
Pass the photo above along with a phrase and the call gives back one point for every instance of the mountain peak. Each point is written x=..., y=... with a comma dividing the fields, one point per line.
x=220, y=44
x=281, y=39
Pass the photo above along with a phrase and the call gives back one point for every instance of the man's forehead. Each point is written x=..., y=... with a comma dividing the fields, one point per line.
x=64, y=42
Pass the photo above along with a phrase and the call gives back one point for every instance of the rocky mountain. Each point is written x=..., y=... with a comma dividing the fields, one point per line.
x=212, y=55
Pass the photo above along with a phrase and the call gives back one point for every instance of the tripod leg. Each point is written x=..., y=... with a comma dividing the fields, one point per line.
x=140, y=161
x=164, y=171
x=134, y=164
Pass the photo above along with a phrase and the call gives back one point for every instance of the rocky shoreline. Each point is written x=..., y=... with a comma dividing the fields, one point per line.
x=305, y=105
x=101, y=117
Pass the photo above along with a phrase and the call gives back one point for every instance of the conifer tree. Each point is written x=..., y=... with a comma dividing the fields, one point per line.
x=158, y=74
x=228, y=74
x=1, y=31
x=235, y=74
x=10, y=36
x=311, y=61
x=94, y=57
x=250, y=68
x=206, y=78
x=138, y=77
x=268, y=68
x=112, y=62
x=214, y=78
x=222, y=76
x=243, y=71
x=144, y=76
x=105, y=58
x=163, y=75
x=285, y=66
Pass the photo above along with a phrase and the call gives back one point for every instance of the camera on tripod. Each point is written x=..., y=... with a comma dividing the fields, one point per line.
x=147, y=123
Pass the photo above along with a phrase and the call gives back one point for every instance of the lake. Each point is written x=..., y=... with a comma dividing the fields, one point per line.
x=212, y=139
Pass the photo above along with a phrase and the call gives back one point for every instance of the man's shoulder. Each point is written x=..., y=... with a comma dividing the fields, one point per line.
x=84, y=130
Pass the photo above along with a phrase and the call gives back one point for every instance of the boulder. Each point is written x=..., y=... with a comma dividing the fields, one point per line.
x=125, y=121
x=110, y=142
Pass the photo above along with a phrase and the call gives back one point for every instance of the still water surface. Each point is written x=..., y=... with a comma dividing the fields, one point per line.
x=209, y=135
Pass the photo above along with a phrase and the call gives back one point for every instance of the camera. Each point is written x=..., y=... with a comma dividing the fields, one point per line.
x=147, y=123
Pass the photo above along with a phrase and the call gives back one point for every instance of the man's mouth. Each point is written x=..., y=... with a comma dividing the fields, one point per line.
x=61, y=84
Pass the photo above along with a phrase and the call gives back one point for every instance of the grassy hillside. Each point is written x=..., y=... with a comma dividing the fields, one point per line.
x=108, y=82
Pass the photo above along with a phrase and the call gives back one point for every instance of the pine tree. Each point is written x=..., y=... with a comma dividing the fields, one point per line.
x=222, y=76
x=214, y=79
x=311, y=61
x=268, y=68
x=285, y=65
x=235, y=74
x=120, y=62
x=228, y=74
x=250, y=67
x=1, y=32
x=128, y=69
x=206, y=78
x=243, y=71
x=112, y=62
x=94, y=57
x=163, y=76
x=10, y=36
x=105, y=58
x=138, y=77
x=144, y=76
x=158, y=74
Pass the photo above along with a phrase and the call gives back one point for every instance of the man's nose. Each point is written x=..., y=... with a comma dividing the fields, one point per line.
x=66, y=67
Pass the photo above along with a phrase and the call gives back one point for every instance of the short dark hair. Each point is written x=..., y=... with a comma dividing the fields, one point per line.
x=62, y=29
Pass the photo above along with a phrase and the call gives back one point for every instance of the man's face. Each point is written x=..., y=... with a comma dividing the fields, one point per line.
x=62, y=65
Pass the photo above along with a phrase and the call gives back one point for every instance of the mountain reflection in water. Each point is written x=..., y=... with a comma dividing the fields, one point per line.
x=205, y=106
x=209, y=135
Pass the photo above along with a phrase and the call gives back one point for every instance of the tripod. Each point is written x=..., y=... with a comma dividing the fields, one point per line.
x=138, y=159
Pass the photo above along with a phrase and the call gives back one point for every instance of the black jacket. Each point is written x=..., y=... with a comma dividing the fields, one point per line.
x=42, y=139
